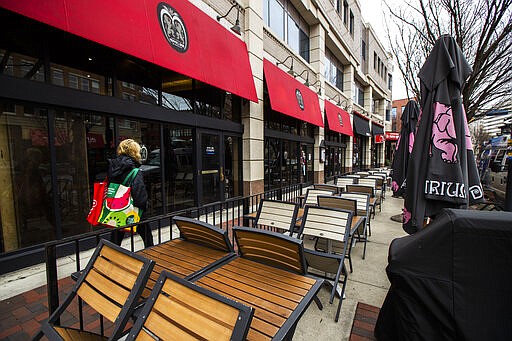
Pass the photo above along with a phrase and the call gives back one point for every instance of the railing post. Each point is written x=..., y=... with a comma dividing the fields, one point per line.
x=280, y=193
x=52, y=286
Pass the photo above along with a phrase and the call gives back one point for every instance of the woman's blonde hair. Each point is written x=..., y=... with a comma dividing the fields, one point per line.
x=129, y=148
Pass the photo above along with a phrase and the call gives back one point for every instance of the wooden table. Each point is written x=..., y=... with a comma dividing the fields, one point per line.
x=279, y=297
x=183, y=258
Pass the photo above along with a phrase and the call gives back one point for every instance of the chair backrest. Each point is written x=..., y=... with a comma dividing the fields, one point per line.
x=368, y=182
x=362, y=201
x=344, y=180
x=199, y=232
x=180, y=310
x=357, y=176
x=326, y=187
x=363, y=173
x=380, y=180
x=338, y=202
x=362, y=189
x=111, y=284
x=271, y=248
x=312, y=193
x=279, y=214
x=326, y=222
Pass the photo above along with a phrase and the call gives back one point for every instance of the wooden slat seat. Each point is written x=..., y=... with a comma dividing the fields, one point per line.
x=180, y=310
x=111, y=284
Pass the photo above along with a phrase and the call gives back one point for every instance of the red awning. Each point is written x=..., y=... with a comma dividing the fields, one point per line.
x=339, y=119
x=173, y=34
x=290, y=97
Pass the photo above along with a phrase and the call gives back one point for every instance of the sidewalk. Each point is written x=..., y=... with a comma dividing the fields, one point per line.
x=21, y=314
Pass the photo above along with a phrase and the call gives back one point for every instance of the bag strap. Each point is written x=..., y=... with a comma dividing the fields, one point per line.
x=130, y=177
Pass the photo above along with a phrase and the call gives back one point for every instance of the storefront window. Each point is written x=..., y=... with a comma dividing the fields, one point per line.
x=72, y=178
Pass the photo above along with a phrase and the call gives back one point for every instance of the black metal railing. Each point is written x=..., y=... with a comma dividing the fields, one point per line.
x=224, y=215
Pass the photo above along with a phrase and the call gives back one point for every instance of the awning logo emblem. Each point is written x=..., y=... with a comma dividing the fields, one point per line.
x=340, y=119
x=300, y=99
x=173, y=27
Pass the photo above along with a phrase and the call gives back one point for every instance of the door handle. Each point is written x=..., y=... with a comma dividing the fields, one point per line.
x=222, y=174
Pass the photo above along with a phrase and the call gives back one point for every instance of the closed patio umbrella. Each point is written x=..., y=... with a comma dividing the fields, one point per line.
x=404, y=147
x=442, y=171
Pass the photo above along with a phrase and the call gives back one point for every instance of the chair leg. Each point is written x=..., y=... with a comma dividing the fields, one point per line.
x=341, y=298
x=365, y=239
x=349, y=254
x=318, y=303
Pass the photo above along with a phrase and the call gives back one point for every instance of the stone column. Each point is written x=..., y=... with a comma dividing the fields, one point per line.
x=252, y=113
x=316, y=58
x=348, y=89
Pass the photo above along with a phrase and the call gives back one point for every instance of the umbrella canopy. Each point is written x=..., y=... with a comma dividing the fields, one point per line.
x=442, y=171
x=404, y=147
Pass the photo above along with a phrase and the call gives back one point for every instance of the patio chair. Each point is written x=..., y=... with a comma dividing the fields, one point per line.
x=381, y=184
x=180, y=310
x=363, y=209
x=312, y=194
x=277, y=215
x=111, y=284
x=343, y=181
x=376, y=183
x=366, y=190
x=202, y=233
x=333, y=225
x=326, y=187
x=363, y=174
x=342, y=204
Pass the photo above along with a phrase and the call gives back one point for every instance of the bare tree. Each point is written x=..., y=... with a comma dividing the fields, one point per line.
x=483, y=30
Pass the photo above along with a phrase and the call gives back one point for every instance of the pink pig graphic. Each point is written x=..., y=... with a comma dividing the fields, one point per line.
x=443, y=133
x=406, y=215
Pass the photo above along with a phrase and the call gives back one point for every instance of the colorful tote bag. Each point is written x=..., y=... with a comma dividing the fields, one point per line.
x=97, y=202
x=118, y=209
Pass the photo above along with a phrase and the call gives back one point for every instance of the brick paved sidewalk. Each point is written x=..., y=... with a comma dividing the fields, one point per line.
x=21, y=315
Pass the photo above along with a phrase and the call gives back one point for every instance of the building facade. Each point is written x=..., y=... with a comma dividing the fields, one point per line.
x=227, y=99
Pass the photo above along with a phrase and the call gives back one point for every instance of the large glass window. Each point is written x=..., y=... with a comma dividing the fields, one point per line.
x=335, y=154
x=333, y=70
x=285, y=21
x=358, y=95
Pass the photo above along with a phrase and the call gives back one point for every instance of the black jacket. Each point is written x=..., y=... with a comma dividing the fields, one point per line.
x=118, y=170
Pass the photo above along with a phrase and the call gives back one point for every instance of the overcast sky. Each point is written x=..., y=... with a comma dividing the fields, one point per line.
x=373, y=13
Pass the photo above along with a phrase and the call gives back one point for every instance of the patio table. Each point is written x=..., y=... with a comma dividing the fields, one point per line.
x=183, y=258
x=279, y=297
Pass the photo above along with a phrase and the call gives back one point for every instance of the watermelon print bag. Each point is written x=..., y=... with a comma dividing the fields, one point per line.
x=118, y=209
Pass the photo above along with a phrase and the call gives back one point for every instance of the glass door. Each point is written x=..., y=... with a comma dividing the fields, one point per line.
x=211, y=177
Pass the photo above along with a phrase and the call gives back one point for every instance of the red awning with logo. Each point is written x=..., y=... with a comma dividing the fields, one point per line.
x=339, y=119
x=290, y=97
x=173, y=34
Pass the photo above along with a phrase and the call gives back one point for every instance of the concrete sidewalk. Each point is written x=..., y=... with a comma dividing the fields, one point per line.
x=23, y=303
x=367, y=284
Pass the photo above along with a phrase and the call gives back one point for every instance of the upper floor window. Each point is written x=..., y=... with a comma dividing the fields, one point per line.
x=390, y=81
x=285, y=21
x=363, y=50
x=333, y=70
x=358, y=96
x=345, y=12
x=351, y=23
x=375, y=60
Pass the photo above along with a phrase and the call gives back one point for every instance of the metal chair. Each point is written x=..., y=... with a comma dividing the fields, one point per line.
x=180, y=310
x=333, y=225
x=111, y=284
x=277, y=215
